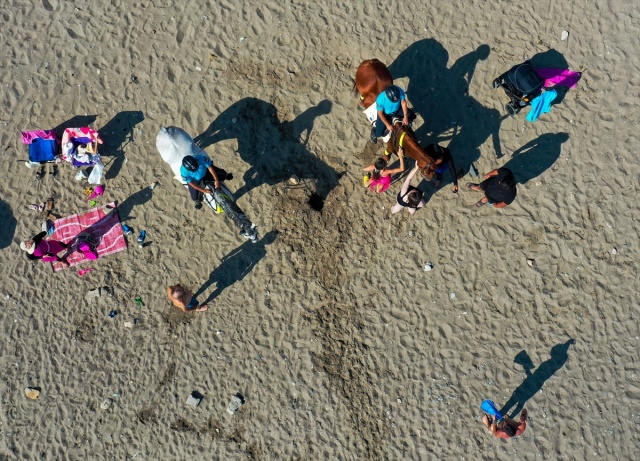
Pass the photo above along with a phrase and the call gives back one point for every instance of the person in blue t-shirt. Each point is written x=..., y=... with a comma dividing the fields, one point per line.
x=391, y=102
x=198, y=168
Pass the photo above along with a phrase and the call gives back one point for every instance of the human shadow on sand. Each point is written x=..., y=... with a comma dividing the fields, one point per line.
x=116, y=134
x=273, y=149
x=441, y=95
x=8, y=224
x=536, y=156
x=236, y=265
x=536, y=379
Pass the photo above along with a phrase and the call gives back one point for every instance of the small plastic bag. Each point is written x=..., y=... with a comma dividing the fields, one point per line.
x=96, y=174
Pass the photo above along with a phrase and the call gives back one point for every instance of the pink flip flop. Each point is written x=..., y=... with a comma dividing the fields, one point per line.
x=83, y=272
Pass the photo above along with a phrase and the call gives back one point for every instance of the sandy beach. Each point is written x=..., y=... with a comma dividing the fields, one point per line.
x=342, y=345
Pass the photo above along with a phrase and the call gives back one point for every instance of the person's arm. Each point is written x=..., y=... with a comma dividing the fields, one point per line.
x=491, y=173
x=38, y=238
x=198, y=188
x=401, y=168
x=369, y=168
x=405, y=111
x=407, y=182
x=454, y=174
x=383, y=117
x=215, y=176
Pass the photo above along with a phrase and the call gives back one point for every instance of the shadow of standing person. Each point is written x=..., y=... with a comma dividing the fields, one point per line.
x=536, y=379
x=272, y=148
x=236, y=265
x=532, y=159
x=118, y=131
x=8, y=224
x=441, y=96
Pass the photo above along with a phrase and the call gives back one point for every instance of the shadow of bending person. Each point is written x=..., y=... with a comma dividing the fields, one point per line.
x=535, y=157
x=272, y=148
x=8, y=224
x=536, y=379
x=116, y=134
x=236, y=265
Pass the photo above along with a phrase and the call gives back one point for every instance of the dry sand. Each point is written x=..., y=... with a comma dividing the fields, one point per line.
x=344, y=348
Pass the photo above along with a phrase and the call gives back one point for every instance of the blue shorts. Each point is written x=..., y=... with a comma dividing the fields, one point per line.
x=193, y=304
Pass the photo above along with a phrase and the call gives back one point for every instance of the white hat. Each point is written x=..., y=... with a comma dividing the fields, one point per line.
x=29, y=249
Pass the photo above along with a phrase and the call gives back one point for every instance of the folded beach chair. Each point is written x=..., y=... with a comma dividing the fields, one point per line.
x=43, y=146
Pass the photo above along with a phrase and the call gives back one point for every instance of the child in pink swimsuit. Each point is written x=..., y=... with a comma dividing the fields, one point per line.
x=380, y=176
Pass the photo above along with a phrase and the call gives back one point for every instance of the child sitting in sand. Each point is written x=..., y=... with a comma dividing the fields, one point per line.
x=182, y=298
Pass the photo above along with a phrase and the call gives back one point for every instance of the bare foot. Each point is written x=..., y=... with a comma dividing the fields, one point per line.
x=202, y=308
x=482, y=202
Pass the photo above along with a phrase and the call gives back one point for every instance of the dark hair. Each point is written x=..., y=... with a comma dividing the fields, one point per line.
x=380, y=165
x=509, y=429
x=414, y=197
x=508, y=182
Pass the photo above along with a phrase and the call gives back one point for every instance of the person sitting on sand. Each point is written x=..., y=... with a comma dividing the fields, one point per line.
x=499, y=187
x=37, y=247
x=379, y=179
x=506, y=428
x=409, y=197
x=182, y=298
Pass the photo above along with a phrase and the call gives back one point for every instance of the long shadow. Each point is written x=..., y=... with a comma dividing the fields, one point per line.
x=137, y=198
x=441, y=95
x=272, y=148
x=116, y=134
x=236, y=265
x=532, y=159
x=8, y=225
x=536, y=379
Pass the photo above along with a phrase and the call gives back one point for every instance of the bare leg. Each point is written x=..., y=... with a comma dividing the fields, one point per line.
x=396, y=208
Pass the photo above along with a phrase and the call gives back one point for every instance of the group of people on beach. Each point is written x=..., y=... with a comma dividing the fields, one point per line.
x=498, y=186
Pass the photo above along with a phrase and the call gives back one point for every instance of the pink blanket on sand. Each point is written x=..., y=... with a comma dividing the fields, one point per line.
x=103, y=223
x=562, y=77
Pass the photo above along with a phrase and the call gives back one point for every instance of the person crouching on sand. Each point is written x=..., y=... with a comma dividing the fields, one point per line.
x=182, y=298
x=506, y=428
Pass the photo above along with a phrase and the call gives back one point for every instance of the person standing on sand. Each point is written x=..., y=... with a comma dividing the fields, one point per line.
x=409, y=197
x=379, y=176
x=183, y=299
x=506, y=428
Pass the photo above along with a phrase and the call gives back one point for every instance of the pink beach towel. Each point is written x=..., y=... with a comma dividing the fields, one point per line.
x=103, y=223
x=29, y=136
x=562, y=77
